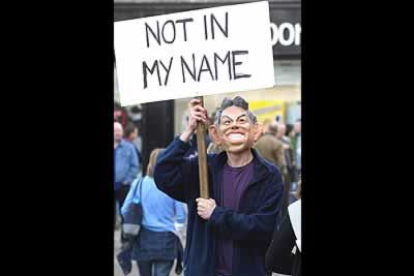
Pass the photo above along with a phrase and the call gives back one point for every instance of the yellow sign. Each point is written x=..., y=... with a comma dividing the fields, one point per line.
x=268, y=109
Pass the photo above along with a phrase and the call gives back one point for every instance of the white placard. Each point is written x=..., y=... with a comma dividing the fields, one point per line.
x=208, y=51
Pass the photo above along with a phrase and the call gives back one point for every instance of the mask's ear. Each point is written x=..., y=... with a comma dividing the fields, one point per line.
x=257, y=131
x=214, y=135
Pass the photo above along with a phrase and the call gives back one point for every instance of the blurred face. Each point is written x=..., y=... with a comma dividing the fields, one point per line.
x=297, y=127
x=281, y=130
x=265, y=127
x=118, y=132
x=133, y=135
x=117, y=113
x=235, y=131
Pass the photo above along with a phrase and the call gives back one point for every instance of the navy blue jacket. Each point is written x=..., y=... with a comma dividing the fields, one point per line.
x=250, y=228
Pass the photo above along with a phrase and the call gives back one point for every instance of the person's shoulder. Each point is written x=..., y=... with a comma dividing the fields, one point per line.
x=267, y=166
x=214, y=158
x=128, y=144
x=273, y=169
x=148, y=180
x=124, y=143
x=273, y=172
x=266, y=137
x=148, y=184
x=276, y=141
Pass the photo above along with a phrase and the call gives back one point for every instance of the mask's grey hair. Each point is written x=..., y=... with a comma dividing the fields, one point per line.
x=237, y=101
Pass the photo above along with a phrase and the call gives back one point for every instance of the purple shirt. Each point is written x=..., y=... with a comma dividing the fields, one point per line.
x=235, y=181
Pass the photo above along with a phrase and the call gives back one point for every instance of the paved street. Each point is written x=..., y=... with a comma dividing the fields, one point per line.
x=118, y=270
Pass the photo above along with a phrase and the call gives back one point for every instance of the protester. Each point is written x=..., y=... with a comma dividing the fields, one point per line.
x=230, y=236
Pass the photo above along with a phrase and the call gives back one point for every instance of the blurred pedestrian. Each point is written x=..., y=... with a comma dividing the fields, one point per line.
x=120, y=115
x=288, y=154
x=298, y=144
x=158, y=243
x=126, y=167
x=131, y=135
x=271, y=149
x=265, y=125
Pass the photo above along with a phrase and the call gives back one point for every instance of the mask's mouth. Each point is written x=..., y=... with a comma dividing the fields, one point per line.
x=236, y=137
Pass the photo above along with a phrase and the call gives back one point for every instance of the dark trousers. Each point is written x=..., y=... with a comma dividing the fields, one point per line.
x=155, y=268
x=119, y=196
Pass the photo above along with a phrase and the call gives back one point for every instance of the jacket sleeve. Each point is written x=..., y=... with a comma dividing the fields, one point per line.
x=256, y=226
x=179, y=211
x=278, y=255
x=280, y=157
x=133, y=166
x=176, y=175
x=130, y=196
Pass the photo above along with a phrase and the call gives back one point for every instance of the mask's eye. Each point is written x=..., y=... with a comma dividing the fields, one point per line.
x=226, y=122
x=242, y=120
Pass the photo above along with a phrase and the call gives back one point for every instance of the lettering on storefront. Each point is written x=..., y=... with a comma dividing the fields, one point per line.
x=286, y=34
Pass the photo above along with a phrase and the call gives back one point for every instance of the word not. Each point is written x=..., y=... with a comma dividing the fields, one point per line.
x=167, y=32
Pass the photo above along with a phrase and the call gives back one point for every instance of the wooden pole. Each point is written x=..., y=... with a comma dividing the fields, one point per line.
x=202, y=156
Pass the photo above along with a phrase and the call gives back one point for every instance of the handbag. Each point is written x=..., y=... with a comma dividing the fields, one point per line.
x=132, y=211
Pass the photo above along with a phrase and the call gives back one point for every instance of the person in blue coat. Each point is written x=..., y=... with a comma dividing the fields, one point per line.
x=125, y=169
x=158, y=244
x=227, y=234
